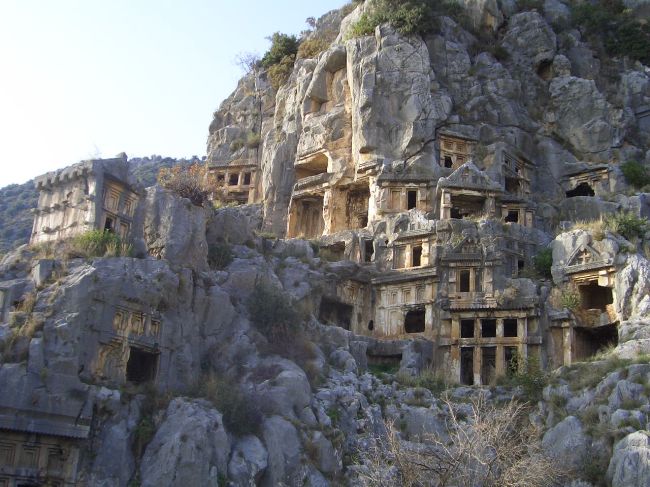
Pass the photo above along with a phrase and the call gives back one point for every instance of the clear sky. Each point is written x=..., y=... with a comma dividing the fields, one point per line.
x=92, y=78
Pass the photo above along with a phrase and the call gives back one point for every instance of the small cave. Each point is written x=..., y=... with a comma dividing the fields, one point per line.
x=467, y=366
x=544, y=69
x=371, y=325
x=141, y=366
x=590, y=340
x=593, y=296
x=512, y=216
x=336, y=313
x=414, y=321
x=583, y=189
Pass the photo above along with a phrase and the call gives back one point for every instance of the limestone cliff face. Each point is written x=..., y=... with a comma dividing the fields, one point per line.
x=418, y=181
x=373, y=107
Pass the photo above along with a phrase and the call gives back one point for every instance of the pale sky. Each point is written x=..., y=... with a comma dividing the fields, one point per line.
x=93, y=78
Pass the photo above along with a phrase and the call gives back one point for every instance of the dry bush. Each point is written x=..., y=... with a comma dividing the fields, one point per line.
x=189, y=182
x=496, y=446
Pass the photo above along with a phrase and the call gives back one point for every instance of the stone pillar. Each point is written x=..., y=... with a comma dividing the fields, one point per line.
x=478, y=351
x=445, y=205
x=567, y=342
x=500, y=366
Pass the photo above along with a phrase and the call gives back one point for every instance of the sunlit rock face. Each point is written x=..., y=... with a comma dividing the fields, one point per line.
x=401, y=214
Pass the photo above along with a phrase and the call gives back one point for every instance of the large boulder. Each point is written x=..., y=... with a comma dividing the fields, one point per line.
x=630, y=463
x=567, y=443
x=191, y=447
x=248, y=461
x=169, y=227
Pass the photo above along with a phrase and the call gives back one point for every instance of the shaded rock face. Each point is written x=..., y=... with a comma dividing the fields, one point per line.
x=109, y=350
x=630, y=464
x=173, y=229
x=191, y=447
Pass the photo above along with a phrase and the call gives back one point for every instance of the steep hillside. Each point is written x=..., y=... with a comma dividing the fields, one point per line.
x=441, y=276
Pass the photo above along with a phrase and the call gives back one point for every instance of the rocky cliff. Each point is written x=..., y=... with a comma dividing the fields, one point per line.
x=476, y=238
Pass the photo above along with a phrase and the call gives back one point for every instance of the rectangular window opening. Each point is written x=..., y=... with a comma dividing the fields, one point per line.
x=467, y=366
x=141, y=366
x=233, y=180
x=510, y=359
x=488, y=328
x=467, y=328
x=247, y=178
x=488, y=365
x=510, y=327
x=463, y=281
x=412, y=197
x=368, y=250
x=417, y=256
x=414, y=321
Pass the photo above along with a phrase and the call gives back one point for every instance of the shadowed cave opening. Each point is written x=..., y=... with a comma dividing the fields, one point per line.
x=583, y=189
x=141, y=366
x=414, y=321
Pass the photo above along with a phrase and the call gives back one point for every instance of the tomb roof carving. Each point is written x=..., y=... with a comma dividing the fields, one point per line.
x=468, y=176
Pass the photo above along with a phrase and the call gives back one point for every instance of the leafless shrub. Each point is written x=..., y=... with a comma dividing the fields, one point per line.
x=494, y=446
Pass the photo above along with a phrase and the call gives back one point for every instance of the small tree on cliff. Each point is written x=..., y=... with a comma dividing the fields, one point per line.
x=191, y=182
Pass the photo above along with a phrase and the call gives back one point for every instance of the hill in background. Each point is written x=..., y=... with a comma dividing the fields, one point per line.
x=17, y=200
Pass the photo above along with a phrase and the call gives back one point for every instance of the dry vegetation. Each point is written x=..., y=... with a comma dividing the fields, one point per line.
x=495, y=446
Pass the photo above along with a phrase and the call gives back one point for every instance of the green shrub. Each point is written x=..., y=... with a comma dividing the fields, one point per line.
x=237, y=144
x=273, y=313
x=570, y=298
x=312, y=47
x=282, y=46
x=241, y=409
x=636, y=174
x=279, y=73
x=527, y=374
x=409, y=17
x=543, y=262
x=626, y=224
x=253, y=140
x=619, y=30
x=219, y=255
x=426, y=379
x=98, y=243
x=499, y=52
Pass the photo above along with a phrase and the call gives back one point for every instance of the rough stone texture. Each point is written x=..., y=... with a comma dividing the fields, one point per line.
x=191, y=447
x=248, y=461
x=566, y=442
x=630, y=463
x=173, y=229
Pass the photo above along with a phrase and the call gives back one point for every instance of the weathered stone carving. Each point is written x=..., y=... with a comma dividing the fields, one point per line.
x=91, y=195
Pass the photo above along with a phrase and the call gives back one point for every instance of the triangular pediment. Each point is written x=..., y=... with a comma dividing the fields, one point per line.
x=469, y=176
x=584, y=254
x=469, y=245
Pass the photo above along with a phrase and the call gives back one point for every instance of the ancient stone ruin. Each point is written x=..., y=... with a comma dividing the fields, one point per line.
x=423, y=210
